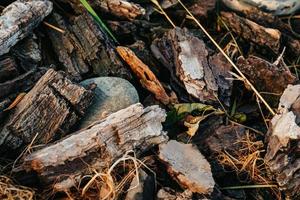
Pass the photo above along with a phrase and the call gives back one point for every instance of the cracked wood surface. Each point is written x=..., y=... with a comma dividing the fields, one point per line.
x=54, y=104
x=134, y=128
x=19, y=19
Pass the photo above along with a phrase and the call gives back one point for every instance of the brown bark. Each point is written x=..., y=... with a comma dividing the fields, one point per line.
x=186, y=57
x=53, y=104
x=96, y=147
x=146, y=77
x=84, y=48
x=252, y=31
x=266, y=77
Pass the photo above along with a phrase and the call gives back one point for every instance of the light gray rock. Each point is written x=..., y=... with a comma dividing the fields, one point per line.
x=111, y=94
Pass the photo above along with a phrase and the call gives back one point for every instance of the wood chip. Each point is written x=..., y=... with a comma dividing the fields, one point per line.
x=134, y=128
x=19, y=19
x=266, y=77
x=54, y=103
x=187, y=166
x=146, y=76
x=252, y=31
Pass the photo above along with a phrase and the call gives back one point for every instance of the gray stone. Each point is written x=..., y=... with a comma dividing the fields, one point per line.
x=111, y=94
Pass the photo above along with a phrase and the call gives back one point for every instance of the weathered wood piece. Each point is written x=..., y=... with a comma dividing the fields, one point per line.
x=84, y=46
x=54, y=104
x=8, y=69
x=21, y=83
x=283, y=143
x=19, y=19
x=65, y=162
x=186, y=57
x=266, y=76
x=187, y=166
x=252, y=31
x=146, y=77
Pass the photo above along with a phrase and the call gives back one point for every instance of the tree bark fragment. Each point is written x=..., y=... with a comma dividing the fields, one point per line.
x=19, y=19
x=252, y=31
x=266, y=76
x=84, y=48
x=186, y=58
x=134, y=128
x=187, y=166
x=53, y=104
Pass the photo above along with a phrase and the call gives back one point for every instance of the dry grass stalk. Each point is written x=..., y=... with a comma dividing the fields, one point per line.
x=10, y=191
x=106, y=183
x=248, y=163
x=161, y=10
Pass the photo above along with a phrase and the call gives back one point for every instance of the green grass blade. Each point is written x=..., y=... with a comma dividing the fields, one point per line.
x=89, y=8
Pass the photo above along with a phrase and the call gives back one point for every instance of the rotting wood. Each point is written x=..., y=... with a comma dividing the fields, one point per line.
x=19, y=19
x=84, y=46
x=146, y=76
x=266, y=76
x=187, y=166
x=252, y=31
x=54, y=104
x=186, y=57
x=134, y=128
x=283, y=143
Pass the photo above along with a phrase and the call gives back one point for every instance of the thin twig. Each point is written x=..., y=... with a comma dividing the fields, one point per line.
x=54, y=27
x=163, y=12
x=228, y=58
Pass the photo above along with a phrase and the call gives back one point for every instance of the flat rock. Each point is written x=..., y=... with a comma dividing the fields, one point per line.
x=187, y=166
x=111, y=94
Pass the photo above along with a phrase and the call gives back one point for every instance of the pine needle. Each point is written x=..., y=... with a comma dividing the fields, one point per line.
x=89, y=8
x=248, y=187
x=161, y=11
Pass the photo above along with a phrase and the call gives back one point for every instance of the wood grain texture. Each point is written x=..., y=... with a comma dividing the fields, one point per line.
x=251, y=31
x=84, y=48
x=55, y=103
x=19, y=19
x=66, y=161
